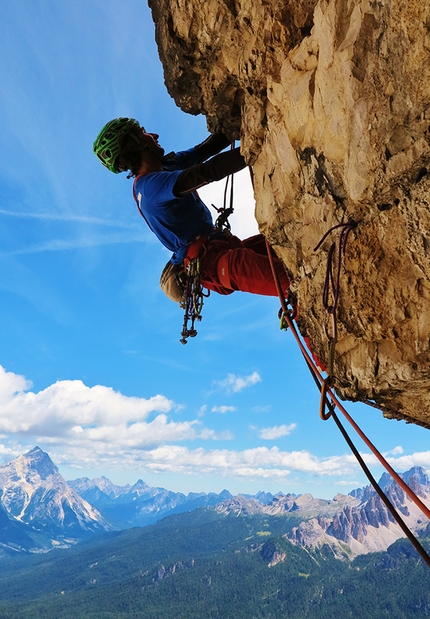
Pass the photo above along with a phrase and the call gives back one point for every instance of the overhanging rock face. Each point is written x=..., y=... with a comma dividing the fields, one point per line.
x=331, y=101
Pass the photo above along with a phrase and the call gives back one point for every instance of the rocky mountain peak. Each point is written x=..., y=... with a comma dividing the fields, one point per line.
x=35, y=493
x=40, y=462
x=349, y=524
x=417, y=475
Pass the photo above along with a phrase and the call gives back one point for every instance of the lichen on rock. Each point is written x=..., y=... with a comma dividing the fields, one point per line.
x=331, y=102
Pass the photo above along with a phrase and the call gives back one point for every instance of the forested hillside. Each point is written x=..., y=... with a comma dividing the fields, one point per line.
x=206, y=565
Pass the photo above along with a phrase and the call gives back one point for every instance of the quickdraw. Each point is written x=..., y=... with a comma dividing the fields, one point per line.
x=291, y=300
x=192, y=300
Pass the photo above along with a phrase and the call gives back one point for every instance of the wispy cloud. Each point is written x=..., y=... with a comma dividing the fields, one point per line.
x=235, y=384
x=271, y=434
x=68, y=218
x=223, y=409
x=261, y=409
x=77, y=243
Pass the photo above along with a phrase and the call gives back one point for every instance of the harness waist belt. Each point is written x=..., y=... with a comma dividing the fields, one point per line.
x=194, y=248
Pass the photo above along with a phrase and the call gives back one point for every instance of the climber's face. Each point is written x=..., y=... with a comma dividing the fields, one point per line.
x=150, y=142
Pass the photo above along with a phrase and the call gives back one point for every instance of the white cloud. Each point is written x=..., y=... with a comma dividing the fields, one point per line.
x=68, y=403
x=98, y=428
x=139, y=435
x=95, y=240
x=395, y=451
x=68, y=217
x=96, y=420
x=261, y=409
x=226, y=435
x=223, y=409
x=259, y=462
x=421, y=458
x=202, y=410
x=271, y=434
x=235, y=384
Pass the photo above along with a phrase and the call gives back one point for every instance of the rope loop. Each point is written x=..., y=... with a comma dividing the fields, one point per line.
x=327, y=383
x=331, y=282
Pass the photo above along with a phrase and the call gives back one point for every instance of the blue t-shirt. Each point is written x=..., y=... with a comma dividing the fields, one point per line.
x=176, y=222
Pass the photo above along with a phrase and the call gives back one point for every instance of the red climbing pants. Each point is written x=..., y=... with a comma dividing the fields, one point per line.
x=228, y=264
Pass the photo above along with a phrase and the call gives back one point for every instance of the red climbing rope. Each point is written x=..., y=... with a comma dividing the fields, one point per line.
x=320, y=381
x=324, y=387
x=324, y=384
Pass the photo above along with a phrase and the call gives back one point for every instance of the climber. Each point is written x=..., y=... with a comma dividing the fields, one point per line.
x=165, y=191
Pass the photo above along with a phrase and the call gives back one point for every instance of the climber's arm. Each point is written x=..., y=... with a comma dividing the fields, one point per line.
x=215, y=169
x=213, y=145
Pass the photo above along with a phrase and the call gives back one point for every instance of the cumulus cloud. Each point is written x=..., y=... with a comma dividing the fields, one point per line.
x=259, y=462
x=90, y=419
x=99, y=428
x=68, y=403
x=223, y=409
x=235, y=384
x=271, y=434
x=69, y=412
x=395, y=451
x=405, y=462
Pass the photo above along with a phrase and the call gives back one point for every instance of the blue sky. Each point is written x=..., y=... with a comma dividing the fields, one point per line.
x=92, y=370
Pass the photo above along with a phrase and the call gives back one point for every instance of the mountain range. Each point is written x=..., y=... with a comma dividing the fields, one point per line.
x=40, y=510
x=140, y=504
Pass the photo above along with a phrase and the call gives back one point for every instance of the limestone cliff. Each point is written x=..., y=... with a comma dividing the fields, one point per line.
x=331, y=102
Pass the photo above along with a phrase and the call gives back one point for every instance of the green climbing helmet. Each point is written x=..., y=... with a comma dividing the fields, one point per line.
x=106, y=145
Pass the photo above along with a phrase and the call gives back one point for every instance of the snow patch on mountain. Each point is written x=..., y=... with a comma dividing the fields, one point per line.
x=33, y=492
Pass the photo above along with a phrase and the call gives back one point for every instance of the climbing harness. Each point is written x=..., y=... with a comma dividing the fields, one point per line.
x=194, y=294
x=329, y=402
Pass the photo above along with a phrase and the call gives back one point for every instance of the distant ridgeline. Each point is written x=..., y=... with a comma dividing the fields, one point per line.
x=211, y=555
x=40, y=511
